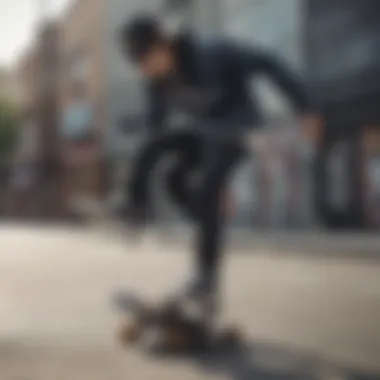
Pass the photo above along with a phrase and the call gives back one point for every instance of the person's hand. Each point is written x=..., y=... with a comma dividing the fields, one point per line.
x=312, y=128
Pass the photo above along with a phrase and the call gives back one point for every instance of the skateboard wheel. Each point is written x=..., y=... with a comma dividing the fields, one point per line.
x=176, y=339
x=231, y=336
x=129, y=333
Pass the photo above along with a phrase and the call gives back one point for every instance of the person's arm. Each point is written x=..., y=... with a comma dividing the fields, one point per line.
x=250, y=60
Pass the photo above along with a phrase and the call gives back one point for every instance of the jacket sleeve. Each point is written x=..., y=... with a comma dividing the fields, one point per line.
x=252, y=61
x=155, y=109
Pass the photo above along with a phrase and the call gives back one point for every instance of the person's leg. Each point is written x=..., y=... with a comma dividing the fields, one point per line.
x=148, y=158
x=137, y=189
x=180, y=179
x=224, y=158
x=139, y=184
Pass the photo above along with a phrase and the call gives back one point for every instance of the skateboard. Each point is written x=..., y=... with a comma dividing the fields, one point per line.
x=172, y=328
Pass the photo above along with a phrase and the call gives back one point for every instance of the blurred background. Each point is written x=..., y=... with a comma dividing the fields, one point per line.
x=61, y=57
x=308, y=292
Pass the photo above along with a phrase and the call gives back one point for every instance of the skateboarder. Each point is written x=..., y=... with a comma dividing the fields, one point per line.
x=207, y=84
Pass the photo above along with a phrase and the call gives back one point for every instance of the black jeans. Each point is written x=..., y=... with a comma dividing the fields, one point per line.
x=188, y=153
x=212, y=161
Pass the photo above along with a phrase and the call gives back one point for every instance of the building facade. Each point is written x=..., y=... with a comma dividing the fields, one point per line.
x=343, y=64
x=36, y=162
x=82, y=102
x=26, y=155
x=48, y=193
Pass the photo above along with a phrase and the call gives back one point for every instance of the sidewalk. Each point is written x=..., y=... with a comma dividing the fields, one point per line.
x=310, y=319
x=320, y=242
x=360, y=244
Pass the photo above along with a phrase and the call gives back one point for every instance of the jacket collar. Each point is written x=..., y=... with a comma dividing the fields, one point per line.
x=186, y=54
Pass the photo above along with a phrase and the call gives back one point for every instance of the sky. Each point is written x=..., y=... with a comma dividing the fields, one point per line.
x=18, y=19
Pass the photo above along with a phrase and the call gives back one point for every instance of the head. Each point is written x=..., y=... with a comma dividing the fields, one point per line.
x=147, y=45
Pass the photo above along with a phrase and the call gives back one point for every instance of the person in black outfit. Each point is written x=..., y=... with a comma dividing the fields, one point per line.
x=207, y=83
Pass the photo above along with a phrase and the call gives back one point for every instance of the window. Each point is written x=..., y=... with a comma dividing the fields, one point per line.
x=77, y=122
x=79, y=67
x=178, y=14
x=274, y=25
x=343, y=41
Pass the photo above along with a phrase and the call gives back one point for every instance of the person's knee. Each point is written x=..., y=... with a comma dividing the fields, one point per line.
x=212, y=202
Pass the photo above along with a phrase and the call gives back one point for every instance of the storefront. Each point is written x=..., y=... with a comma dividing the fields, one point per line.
x=344, y=66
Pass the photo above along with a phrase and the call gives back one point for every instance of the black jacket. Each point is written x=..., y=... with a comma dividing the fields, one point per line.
x=225, y=69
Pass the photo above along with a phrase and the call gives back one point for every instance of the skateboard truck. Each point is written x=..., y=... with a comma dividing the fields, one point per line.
x=178, y=328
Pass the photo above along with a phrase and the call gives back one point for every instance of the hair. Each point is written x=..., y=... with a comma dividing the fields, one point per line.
x=139, y=35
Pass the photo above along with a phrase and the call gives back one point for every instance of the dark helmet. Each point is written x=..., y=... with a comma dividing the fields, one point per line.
x=139, y=35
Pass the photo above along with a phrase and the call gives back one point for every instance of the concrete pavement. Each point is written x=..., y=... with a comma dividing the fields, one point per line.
x=317, y=241
x=306, y=317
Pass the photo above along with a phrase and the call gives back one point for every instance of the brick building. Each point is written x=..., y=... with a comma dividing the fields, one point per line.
x=8, y=84
x=26, y=77
x=82, y=66
x=91, y=59
x=37, y=169
x=48, y=192
x=26, y=154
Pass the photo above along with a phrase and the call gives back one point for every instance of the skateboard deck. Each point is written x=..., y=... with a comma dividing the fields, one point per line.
x=173, y=328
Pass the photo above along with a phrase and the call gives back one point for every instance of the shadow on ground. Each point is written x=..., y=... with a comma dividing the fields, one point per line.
x=262, y=361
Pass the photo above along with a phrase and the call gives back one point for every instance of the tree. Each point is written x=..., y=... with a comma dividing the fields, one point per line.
x=9, y=128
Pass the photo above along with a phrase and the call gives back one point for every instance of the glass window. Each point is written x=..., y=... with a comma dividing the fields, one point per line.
x=79, y=67
x=343, y=39
x=179, y=14
x=233, y=7
x=273, y=25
